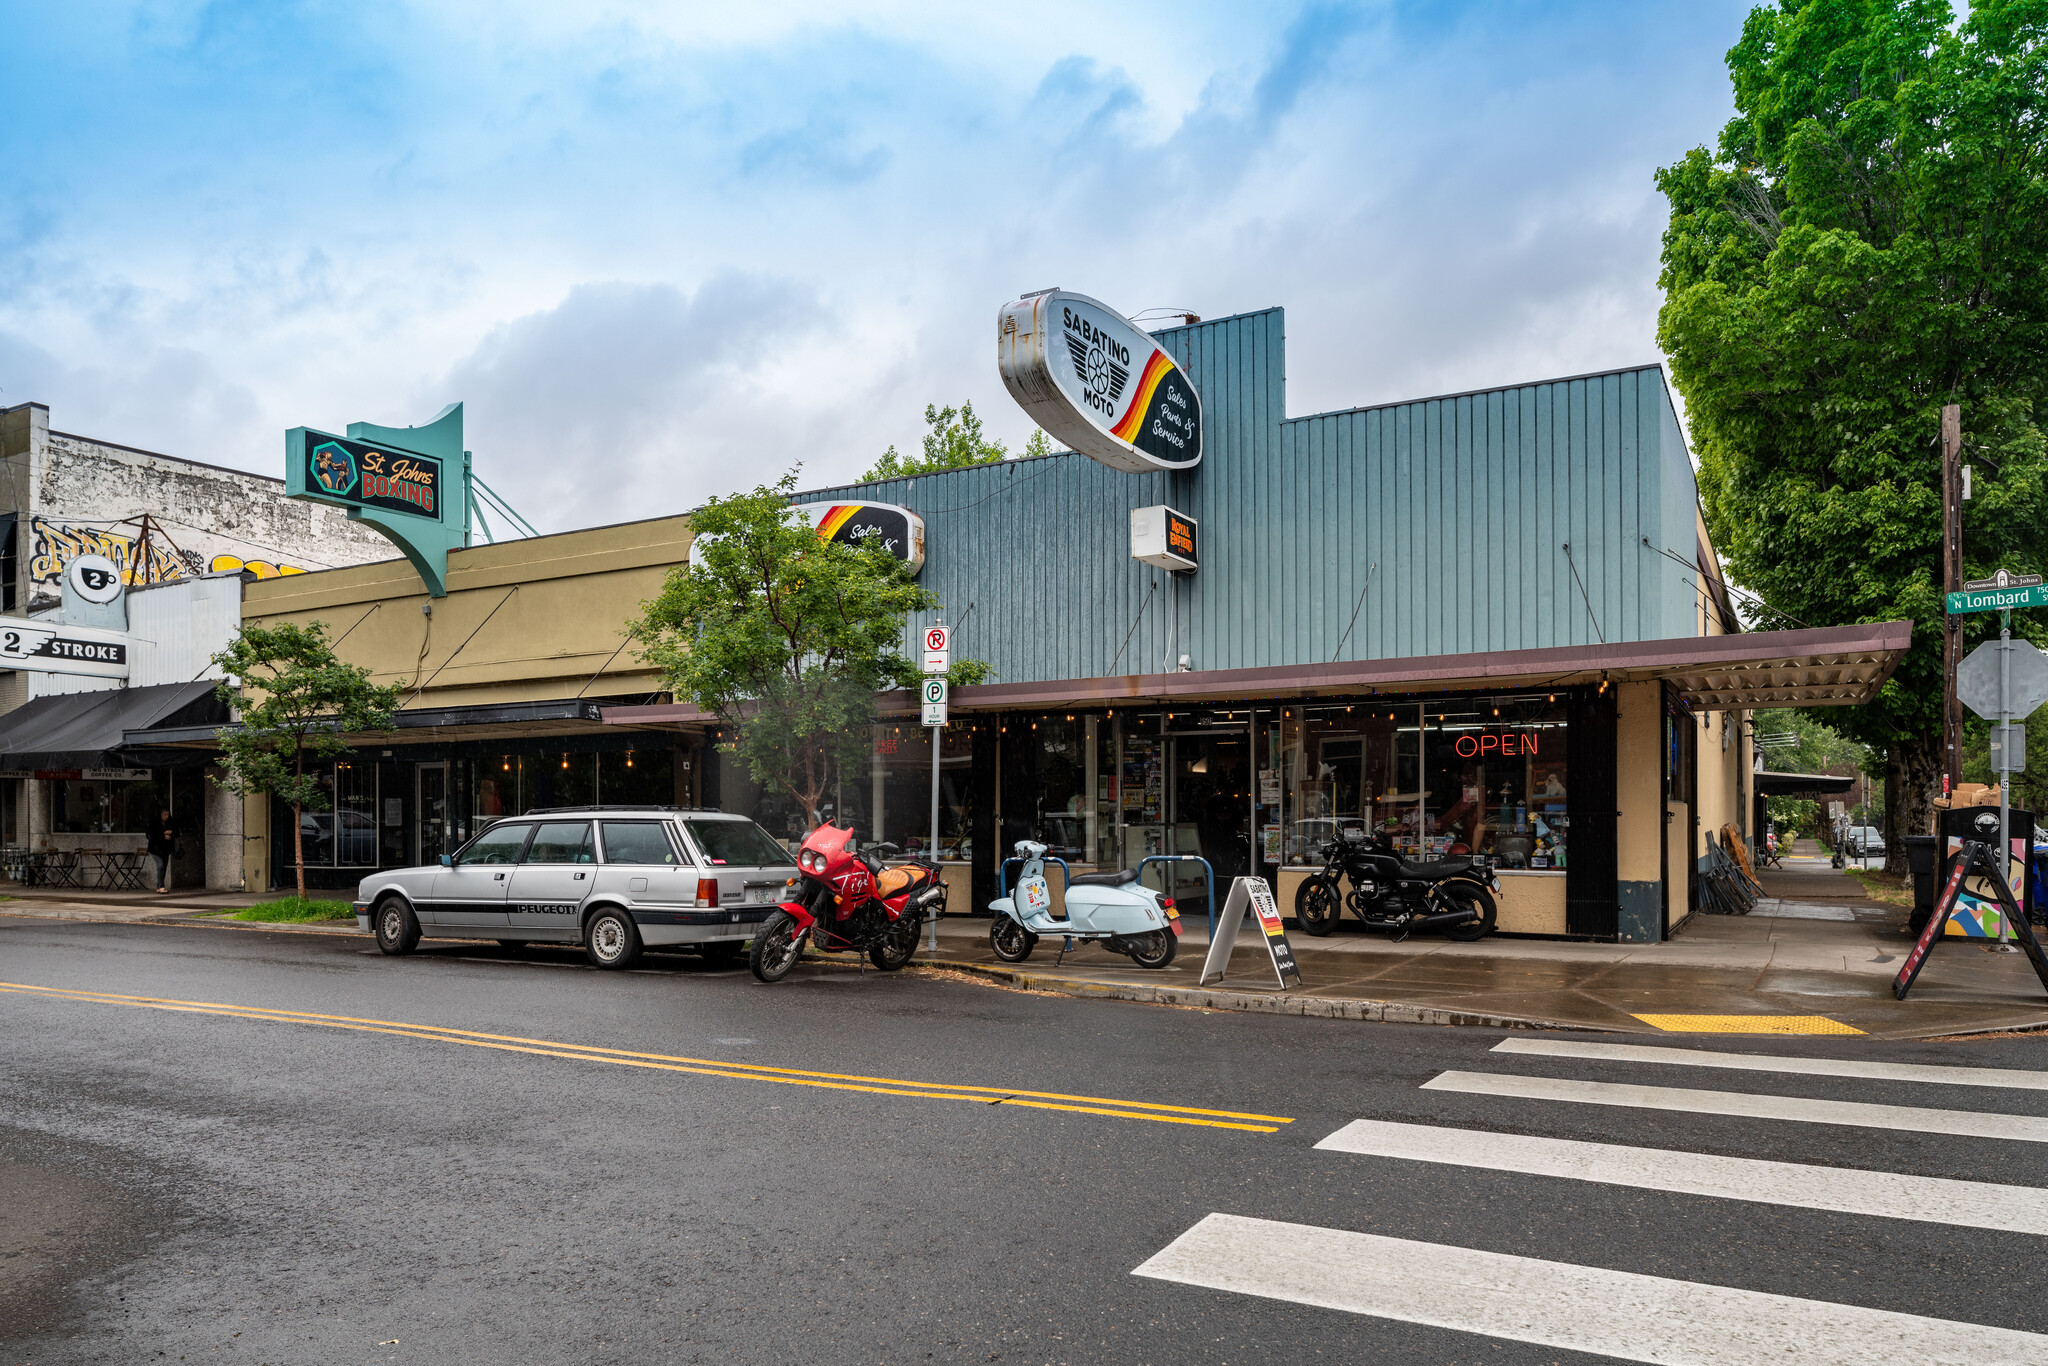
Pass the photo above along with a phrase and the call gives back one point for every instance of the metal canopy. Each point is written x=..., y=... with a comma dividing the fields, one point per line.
x=1802, y=784
x=427, y=725
x=1828, y=666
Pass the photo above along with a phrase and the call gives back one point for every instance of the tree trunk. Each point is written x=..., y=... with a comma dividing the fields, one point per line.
x=299, y=829
x=1911, y=774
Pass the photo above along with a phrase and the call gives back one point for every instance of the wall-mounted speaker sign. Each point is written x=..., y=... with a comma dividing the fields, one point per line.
x=1096, y=381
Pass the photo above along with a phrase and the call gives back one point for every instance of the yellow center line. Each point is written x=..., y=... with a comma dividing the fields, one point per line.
x=710, y=1067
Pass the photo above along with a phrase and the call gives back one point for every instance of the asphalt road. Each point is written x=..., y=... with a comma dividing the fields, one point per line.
x=224, y=1181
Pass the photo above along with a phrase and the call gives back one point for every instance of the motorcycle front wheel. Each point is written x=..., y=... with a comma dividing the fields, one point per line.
x=1154, y=950
x=1463, y=896
x=894, y=949
x=776, y=948
x=1316, y=906
x=1009, y=941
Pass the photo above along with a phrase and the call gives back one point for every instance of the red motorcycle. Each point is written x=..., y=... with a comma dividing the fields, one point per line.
x=847, y=900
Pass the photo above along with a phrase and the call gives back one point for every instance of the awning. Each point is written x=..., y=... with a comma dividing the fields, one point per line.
x=1802, y=784
x=483, y=721
x=1830, y=666
x=90, y=729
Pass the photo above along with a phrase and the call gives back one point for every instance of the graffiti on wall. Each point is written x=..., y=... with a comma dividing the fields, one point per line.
x=54, y=545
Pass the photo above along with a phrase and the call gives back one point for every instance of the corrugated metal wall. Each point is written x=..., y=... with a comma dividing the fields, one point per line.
x=1464, y=503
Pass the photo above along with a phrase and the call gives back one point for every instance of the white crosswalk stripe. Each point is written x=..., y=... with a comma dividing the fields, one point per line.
x=1955, y=1123
x=1624, y=1314
x=1578, y=1308
x=2007, y=1077
x=1931, y=1199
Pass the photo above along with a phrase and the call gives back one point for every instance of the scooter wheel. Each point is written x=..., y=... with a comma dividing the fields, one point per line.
x=1009, y=941
x=1154, y=950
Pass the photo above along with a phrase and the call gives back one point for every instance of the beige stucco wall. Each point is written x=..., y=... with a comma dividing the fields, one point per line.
x=1638, y=776
x=523, y=620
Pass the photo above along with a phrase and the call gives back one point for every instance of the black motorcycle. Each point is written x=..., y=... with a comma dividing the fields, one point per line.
x=1390, y=893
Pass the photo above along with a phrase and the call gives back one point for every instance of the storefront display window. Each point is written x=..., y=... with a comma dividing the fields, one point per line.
x=1461, y=775
x=98, y=806
x=893, y=804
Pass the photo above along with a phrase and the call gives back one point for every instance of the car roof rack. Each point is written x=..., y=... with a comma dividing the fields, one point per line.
x=615, y=806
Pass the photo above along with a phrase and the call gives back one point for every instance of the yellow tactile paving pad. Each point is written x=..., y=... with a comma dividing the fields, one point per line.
x=1748, y=1024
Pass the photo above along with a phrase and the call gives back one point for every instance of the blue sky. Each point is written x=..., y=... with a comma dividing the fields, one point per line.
x=663, y=251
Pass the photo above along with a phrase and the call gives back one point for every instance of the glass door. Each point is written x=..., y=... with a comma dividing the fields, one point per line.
x=432, y=806
x=1209, y=806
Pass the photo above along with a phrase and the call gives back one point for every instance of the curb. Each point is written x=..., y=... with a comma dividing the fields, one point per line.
x=1255, y=1003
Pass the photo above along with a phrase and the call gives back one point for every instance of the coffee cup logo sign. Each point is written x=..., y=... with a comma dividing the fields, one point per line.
x=94, y=578
x=1096, y=381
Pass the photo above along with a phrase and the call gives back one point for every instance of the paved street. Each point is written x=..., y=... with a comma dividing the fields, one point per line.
x=298, y=1151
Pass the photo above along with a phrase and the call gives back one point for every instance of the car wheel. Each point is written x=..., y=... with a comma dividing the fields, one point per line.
x=398, y=929
x=611, y=940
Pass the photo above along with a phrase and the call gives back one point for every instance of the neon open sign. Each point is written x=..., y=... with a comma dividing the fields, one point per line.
x=1514, y=742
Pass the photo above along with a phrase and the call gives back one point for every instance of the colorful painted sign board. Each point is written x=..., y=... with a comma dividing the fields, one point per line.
x=1256, y=895
x=1096, y=381
x=410, y=483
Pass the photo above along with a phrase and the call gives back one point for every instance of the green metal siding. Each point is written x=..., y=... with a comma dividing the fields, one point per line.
x=1465, y=502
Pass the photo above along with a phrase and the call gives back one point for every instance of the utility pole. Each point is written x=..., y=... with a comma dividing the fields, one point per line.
x=1952, y=581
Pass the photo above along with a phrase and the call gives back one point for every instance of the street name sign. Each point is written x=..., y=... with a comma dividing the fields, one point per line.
x=935, y=701
x=2025, y=673
x=2002, y=592
x=938, y=649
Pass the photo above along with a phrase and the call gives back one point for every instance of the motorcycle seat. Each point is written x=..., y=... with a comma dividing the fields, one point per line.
x=894, y=880
x=1118, y=879
x=1439, y=868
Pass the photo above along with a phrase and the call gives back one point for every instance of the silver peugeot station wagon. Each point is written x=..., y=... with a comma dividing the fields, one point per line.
x=611, y=878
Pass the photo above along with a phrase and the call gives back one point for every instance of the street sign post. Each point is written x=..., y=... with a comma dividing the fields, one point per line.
x=938, y=641
x=2003, y=681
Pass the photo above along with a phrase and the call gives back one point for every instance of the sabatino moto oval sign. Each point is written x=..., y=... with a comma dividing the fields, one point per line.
x=1094, y=380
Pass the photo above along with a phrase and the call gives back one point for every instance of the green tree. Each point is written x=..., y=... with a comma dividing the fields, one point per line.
x=955, y=441
x=1865, y=246
x=786, y=639
x=296, y=701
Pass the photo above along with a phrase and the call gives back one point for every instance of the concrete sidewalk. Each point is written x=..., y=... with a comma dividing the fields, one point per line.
x=1815, y=974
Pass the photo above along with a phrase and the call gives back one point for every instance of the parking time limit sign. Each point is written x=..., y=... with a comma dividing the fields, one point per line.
x=935, y=701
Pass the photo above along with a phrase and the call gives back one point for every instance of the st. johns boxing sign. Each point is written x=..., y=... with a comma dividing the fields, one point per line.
x=1096, y=381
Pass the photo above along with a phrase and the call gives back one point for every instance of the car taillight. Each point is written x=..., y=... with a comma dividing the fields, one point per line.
x=707, y=891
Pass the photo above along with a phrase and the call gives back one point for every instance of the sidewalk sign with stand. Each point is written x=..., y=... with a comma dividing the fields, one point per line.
x=1980, y=860
x=1252, y=892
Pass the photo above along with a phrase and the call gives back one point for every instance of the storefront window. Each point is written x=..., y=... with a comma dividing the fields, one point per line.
x=563, y=778
x=1436, y=779
x=354, y=818
x=98, y=806
x=893, y=804
x=497, y=787
x=1495, y=779
x=637, y=777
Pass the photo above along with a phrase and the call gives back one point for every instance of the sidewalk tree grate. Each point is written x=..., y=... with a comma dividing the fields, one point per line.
x=1748, y=1024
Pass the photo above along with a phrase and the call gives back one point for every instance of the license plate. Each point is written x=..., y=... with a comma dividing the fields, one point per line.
x=1494, y=883
x=757, y=896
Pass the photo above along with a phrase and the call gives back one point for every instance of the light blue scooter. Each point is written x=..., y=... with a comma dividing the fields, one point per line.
x=1111, y=909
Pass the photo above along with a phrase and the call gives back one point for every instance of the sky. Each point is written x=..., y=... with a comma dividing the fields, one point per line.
x=666, y=251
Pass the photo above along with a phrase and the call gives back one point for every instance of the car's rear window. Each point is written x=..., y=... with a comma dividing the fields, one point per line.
x=638, y=842
x=740, y=843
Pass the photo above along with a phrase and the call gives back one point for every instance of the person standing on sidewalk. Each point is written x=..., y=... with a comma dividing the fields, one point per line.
x=163, y=843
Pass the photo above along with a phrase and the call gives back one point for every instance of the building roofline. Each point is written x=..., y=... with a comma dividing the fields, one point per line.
x=174, y=459
x=1658, y=366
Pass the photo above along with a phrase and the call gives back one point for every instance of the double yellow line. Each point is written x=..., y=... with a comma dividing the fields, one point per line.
x=706, y=1067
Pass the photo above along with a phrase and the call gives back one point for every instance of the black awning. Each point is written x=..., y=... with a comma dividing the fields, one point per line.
x=482, y=720
x=88, y=729
x=1802, y=784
